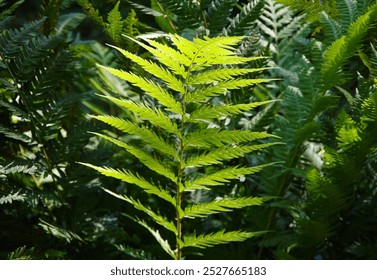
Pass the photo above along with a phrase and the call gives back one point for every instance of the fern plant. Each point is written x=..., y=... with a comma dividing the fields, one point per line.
x=315, y=86
x=211, y=18
x=341, y=194
x=113, y=24
x=181, y=124
x=41, y=135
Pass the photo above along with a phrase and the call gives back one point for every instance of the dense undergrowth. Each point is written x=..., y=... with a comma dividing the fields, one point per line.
x=190, y=122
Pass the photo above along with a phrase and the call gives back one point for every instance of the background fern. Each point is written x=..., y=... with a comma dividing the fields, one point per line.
x=310, y=101
x=42, y=135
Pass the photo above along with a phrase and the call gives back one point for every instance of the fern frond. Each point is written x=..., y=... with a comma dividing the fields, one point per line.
x=151, y=88
x=12, y=134
x=68, y=22
x=115, y=26
x=202, y=210
x=168, y=56
x=215, y=137
x=21, y=253
x=143, y=133
x=148, y=160
x=205, y=51
x=8, y=11
x=22, y=166
x=201, y=94
x=218, y=75
x=218, y=13
x=221, y=177
x=208, y=113
x=128, y=177
x=243, y=22
x=348, y=12
x=156, y=116
x=341, y=50
x=331, y=27
x=185, y=14
x=152, y=68
x=220, y=237
x=311, y=9
x=11, y=197
x=138, y=254
x=10, y=42
x=163, y=221
x=216, y=156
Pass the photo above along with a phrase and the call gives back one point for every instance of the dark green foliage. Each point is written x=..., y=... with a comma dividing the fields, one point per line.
x=310, y=102
x=36, y=105
x=322, y=57
x=217, y=17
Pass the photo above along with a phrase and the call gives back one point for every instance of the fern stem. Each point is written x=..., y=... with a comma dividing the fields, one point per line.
x=178, y=255
x=166, y=17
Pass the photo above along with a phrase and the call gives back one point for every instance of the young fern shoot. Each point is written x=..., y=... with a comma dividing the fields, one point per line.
x=184, y=132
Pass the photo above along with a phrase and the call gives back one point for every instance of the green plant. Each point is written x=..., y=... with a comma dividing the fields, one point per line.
x=42, y=136
x=212, y=18
x=180, y=137
x=319, y=77
x=114, y=25
x=341, y=194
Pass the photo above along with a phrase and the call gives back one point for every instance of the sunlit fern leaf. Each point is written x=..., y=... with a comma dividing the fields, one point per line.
x=311, y=9
x=212, y=239
x=201, y=94
x=115, y=25
x=11, y=197
x=147, y=159
x=22, y=166
x=8, y=11
x=222, y=205
x=151, y=88
x=206, y=113
x=155, y=116
x=217, y=75
x=12, y=134
x=143, y=133
x=217, y=156
x=221, y=177
x=215, y=137
x=128, y=177
x=157, y=71
x=173, y=124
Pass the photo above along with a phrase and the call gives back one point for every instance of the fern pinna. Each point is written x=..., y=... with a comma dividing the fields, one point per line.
x=183, y=136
